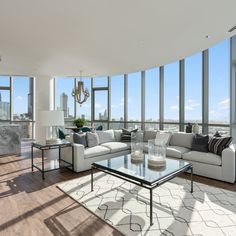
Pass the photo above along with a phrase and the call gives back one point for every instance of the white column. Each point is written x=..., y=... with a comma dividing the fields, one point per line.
x=44, y=92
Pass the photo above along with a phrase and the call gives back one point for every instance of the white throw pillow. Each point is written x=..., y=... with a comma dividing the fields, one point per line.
x=106, y=136
x=163, y=137
x=92, y=139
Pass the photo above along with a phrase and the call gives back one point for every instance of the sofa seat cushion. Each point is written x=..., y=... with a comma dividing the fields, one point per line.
x=116, y=146
x=96, y=151
x=203, y=157
x=176, y=151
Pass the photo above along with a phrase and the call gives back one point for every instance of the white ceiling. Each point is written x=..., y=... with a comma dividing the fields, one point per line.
x=106, y=37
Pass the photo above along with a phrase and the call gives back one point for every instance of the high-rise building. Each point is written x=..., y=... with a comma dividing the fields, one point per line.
x=64, y=104
x=105, y=115
x=4, y=109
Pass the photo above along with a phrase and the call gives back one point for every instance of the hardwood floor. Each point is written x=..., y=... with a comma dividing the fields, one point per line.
x=30, y=206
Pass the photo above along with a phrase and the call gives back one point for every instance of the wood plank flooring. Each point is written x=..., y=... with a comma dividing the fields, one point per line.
x=30, y=206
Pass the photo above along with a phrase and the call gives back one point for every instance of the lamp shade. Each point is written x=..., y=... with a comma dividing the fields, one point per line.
x=52, y=118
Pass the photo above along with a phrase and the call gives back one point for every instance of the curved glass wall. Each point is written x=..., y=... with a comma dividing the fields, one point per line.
x=142, y=100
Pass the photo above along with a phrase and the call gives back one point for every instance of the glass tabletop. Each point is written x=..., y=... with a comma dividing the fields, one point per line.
x=141, y=172
x=44, y=144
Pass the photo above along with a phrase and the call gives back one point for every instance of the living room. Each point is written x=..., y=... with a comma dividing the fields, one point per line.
x=117, y=118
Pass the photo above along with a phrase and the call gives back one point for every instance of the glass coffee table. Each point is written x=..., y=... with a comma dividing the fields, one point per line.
x=141, y=174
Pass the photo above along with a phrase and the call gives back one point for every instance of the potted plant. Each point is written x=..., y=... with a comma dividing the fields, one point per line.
x=80, y=122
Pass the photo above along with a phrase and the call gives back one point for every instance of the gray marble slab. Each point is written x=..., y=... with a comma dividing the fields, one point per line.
x=10, y=141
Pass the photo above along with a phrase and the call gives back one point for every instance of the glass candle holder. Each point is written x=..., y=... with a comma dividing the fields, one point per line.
x=156, y=153
x=137, y=145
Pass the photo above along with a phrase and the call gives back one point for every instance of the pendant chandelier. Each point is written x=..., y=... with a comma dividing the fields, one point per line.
x=79, y=93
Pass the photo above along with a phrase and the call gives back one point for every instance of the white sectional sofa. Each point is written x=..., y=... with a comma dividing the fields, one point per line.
x=109, y=146
x=204, y=163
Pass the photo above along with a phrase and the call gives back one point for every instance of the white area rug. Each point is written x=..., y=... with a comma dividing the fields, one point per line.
x=208, y=211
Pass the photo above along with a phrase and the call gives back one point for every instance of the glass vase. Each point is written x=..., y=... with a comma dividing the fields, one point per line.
x=137, y=145
x=156, y=153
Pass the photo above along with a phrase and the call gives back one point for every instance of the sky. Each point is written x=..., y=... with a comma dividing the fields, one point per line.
x=218, y=90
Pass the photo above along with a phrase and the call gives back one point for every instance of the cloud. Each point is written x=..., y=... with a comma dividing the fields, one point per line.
x=122, y=101
x=224, y=105
x=221, y=110
x=174, y=108
x=191, y=105
x=19, y=98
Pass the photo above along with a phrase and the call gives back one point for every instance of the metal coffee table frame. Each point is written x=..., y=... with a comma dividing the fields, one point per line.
x=143, y=183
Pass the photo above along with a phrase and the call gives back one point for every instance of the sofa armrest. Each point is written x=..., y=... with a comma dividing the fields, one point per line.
x=229, y=163
x=66, y=154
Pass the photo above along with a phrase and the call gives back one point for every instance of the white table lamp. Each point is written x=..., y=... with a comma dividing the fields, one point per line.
x=51, y=119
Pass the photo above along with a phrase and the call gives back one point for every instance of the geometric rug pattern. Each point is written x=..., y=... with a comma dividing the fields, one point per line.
x=207, y=211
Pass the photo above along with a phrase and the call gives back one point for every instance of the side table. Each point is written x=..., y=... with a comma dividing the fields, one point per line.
x=50, y=165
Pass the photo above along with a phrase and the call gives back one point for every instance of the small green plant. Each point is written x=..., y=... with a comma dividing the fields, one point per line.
x=79, y=122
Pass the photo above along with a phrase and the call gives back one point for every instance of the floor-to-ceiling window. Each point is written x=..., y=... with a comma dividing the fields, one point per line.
x=64, y=101
x=219, y=82
x=100, y=102
x=134, y=100
x=193, y=89
x=117, y=102
x=22, y=106
x=171, y=96
x=5, y=89
x=152, y=99
x=17, y=103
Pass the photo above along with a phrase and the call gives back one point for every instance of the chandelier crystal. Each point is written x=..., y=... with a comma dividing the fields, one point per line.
x=79, y=93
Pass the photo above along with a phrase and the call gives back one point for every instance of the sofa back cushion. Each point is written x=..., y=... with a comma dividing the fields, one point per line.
x=92, y=139
x=163, y=137
x=117, y=134
x=80, y=138
x=149, y=134
x=106, y=136
x=181, y=139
